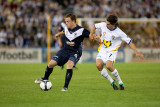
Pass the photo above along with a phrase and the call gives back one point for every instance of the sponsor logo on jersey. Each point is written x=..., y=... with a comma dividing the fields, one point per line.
x=107, y=43
x=70, y=43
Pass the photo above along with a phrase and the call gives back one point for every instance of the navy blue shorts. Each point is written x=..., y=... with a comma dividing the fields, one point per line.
x=63, y=56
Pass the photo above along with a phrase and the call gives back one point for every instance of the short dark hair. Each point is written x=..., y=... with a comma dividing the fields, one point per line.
x=72, y=16
x=113, y=19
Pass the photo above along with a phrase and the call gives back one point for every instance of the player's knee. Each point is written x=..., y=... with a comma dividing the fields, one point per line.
x=109, y=67
x=70, y=64
x=99, y=66
x=52, y=63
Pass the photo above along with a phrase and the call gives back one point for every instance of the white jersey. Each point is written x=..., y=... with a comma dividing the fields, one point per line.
x=111, y=39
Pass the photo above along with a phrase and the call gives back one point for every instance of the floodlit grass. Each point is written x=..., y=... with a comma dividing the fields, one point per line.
x=87, y=87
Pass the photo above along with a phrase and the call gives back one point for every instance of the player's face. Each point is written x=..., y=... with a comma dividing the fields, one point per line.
x=69, y=22
x=109, y=25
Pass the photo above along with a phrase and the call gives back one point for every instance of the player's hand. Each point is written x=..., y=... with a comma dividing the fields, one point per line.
x=139, y=55
x=57, y=36
x=97, y=37
x=91, y=37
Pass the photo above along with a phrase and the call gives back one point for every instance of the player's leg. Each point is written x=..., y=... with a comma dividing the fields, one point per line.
x=48, y=71
x=103, y=71
x=62, y=67
x=69, y=73
x=99, y=64
x=73, y=59
x=109, y=66
x=59, y=59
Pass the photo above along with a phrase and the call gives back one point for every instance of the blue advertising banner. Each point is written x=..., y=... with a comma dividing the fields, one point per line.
x=88, y=55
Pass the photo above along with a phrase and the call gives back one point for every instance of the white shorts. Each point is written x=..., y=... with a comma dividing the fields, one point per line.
x=107, y=56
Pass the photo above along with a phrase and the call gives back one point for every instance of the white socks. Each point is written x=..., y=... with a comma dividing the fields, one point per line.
x=116, y=75
x=105, y=74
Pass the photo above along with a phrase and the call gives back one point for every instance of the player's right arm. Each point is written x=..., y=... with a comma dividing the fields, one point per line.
x=59, y=34
x=91, y=35
x=94, y=27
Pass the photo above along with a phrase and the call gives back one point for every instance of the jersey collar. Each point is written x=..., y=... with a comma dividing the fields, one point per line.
x=75, y=28
x=113, y=29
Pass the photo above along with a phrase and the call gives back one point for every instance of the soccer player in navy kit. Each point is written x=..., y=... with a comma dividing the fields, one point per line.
x=61, y=40
x=71, y=51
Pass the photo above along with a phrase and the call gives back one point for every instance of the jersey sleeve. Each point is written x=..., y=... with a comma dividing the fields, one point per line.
x=99, y=25
x=85, y=33
x=61, y=27
x=125, y=38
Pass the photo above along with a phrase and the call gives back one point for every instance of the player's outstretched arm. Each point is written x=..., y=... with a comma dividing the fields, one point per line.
x=59, y=34
x=135, y=50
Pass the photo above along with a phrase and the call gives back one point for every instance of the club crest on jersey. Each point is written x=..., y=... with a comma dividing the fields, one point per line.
x=75, y=34
x=104, y=33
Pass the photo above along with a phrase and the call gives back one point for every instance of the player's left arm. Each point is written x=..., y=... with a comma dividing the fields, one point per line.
x=91, y=35
x=135, y=50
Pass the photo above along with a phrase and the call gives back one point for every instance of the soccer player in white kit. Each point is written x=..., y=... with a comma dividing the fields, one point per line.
x=110, y=40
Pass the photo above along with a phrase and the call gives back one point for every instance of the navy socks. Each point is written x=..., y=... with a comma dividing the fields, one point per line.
x=68, y=77
x=47, y=73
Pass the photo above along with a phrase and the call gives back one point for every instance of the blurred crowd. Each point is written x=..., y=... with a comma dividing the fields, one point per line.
x=23, y=23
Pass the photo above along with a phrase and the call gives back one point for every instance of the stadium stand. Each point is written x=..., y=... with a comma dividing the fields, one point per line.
x=23, y=23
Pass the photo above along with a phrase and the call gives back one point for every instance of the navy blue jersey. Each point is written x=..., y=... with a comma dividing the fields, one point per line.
x=73, y=38
x=72, y=45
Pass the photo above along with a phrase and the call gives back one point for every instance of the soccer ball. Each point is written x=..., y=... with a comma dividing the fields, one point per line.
x=45, y=85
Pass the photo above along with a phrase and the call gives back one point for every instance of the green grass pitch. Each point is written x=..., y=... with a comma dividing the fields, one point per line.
x=87, y=87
